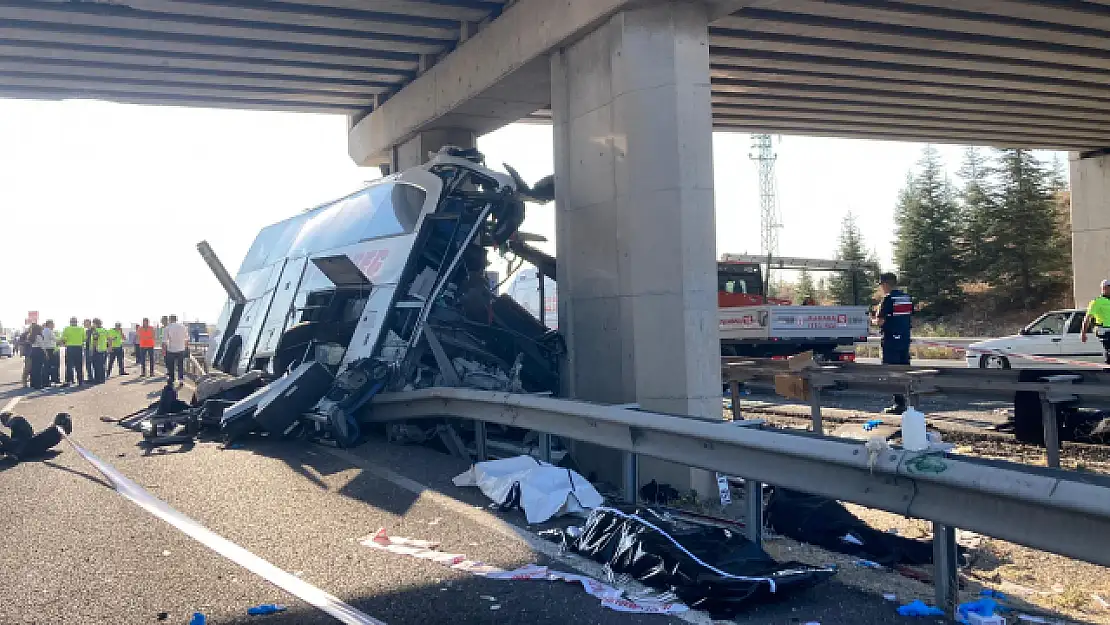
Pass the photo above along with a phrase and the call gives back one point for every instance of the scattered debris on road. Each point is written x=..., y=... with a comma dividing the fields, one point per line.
x=610, y=596
x=542, y=490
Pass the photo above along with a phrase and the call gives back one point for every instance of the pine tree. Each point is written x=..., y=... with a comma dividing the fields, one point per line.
x=979, y=206
x=1030, y=257
x=854, y=286
x=927, y=232
x=805, y=289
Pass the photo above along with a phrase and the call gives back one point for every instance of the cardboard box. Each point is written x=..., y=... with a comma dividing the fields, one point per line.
x=792, y=386
x=800, y=362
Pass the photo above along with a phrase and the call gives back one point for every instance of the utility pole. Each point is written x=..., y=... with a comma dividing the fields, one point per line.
x=769, y=219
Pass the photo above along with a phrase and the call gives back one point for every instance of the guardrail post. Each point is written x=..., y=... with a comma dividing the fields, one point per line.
x=815, y=408
x=946, y=578
x=753, y=499
x=1051, y=432
x=734, y=393
x=630, y=477
x=545, y=447
x=480, y=452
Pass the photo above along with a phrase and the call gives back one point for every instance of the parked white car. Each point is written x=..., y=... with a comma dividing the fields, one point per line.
x=6, y=349
x=1054, y=335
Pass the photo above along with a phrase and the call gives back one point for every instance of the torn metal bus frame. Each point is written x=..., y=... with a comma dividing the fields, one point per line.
x=371, y=274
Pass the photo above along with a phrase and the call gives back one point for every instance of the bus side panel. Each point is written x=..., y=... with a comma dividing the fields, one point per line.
x=367, y=335
x=259, y=291
x=281, y=310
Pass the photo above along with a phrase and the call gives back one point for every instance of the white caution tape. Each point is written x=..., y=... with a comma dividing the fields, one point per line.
x=610, y=597
x=286, y=581
x=1012, y=354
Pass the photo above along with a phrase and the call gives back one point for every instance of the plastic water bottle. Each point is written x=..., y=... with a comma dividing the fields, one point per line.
x=914, y=437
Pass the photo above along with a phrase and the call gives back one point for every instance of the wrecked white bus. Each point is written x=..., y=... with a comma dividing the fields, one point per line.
x=395, y=274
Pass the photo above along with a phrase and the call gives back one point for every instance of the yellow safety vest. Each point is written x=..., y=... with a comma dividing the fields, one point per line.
x=100, y=339
x=116, y=337
x=73, y=336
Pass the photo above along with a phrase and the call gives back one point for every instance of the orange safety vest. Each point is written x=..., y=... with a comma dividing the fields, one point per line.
x=146, y=336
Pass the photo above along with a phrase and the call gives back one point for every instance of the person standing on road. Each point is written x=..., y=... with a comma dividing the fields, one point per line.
x=53, y=357
x=25, y=341
x=176, y=345
x=99, y=350
x=38, y=357
x=146, y=341
x=115, y=350
x=1098, y=318
x=73, y=336
x=89, y=352
x=894, y=318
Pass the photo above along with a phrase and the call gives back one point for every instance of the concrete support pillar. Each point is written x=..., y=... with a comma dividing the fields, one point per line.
x=415, y=151
x=1090, y=225
x=635, y=221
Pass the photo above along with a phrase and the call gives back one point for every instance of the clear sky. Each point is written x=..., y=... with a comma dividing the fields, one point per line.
x=101, y=205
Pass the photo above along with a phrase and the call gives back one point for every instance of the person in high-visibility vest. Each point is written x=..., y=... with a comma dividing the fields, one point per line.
x=90, y=374
x=115, y=353
x=147, y=340
x=100, y=350
x=1098, y=319
x=73, y=336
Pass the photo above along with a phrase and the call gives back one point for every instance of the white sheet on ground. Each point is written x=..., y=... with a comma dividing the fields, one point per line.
x=546, y=490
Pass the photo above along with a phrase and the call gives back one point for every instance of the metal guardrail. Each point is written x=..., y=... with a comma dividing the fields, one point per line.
x=1063, y=512
x=955, y=341
x=1052, y=388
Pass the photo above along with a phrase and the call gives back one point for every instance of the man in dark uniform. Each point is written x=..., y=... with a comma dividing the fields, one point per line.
x=894, y=318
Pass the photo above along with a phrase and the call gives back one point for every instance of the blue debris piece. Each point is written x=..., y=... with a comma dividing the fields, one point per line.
x=266, y=608
x=872, y=424
x=868, y=564
x=982, y=607
x=997, y=594
x=918, y=607
x=198, y=619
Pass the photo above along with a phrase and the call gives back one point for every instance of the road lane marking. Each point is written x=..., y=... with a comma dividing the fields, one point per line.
x=224, y=547
x=10, y=406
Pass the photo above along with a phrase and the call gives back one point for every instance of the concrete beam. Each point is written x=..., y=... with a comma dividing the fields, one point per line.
x=169, y=90
x=459, y=11
x=805, y=67
x=320, y=17
x=365, y=90
x=510, y=51
x=1014, y=117
x=226, y=100
x=848, y=33
x=845, y=90
x=215, y=47
x=907, y=55
x=261, y=33
x=1090, y=224
x=36, y=52
x=1012, y=32
x=1054, y=13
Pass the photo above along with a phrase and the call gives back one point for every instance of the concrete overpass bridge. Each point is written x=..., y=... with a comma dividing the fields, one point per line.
x=634, y=90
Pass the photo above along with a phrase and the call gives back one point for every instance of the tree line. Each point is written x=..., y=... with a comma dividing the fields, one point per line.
x=1004, y=229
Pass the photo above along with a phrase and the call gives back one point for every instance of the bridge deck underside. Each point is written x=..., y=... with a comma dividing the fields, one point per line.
x=1003, y=72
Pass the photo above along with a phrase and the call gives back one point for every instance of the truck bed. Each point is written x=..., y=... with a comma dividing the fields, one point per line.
x=793, y=323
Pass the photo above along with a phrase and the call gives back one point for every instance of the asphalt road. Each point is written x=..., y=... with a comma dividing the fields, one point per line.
x=76, y=552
